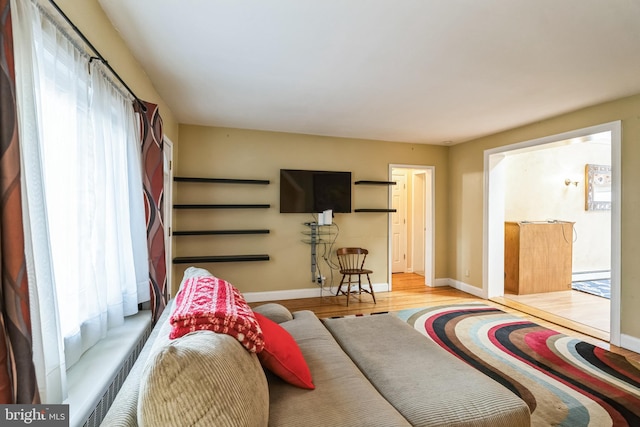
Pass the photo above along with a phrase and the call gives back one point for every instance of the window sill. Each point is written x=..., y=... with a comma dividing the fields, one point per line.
x=92, y=375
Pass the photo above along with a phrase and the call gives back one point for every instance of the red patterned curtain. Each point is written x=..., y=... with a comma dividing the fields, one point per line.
x=153, y=180
x=17, y=373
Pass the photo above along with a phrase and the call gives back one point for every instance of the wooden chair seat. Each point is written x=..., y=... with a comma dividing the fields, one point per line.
x=356, y=271
x=351, y=261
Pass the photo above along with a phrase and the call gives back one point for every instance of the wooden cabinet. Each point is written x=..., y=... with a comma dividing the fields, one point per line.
x=537, y=257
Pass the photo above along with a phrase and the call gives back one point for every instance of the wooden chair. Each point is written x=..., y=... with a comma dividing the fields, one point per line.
x=351, y=261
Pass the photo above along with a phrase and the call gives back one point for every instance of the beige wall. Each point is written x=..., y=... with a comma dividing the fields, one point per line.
x=535, y=191
x=89, y=17
x=466, y=195
x=234, y=153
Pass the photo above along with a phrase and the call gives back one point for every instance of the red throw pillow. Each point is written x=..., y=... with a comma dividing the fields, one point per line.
x=281, y=354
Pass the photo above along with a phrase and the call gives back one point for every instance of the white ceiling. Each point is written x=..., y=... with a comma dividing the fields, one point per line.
x=422, y=71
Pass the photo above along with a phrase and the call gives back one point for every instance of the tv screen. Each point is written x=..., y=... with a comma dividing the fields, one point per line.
x=307, y=191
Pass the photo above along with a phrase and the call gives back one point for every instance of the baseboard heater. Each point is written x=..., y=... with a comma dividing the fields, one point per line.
x=102, y=407
x=578, y=276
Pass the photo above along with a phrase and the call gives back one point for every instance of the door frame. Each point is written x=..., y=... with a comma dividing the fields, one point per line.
x=167, y=153
x=429, y=221
x=493, y=209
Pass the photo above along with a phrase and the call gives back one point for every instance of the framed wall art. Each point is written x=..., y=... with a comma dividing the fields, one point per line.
x=597, y=187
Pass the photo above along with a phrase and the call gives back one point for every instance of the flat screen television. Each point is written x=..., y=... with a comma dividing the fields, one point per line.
x=309, y=191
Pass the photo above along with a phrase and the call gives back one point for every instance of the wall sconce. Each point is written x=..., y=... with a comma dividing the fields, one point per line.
x=568, y=182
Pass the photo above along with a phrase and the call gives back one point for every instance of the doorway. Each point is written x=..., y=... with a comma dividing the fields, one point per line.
x=496, y=183
x=411, y=226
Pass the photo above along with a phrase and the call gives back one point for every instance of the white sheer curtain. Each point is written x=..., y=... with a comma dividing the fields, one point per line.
x=84, y=213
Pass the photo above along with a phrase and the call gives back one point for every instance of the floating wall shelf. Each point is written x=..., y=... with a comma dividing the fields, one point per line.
x=219, y=258
x=375, y=210
x=217, y=232
x=375, y=183
x=221, y=180
x=366, y=182
x=223, y=206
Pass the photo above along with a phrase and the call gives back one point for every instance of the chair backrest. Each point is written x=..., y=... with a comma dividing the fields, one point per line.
x=351, y=258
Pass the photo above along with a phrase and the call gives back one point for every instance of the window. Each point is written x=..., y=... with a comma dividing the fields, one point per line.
x=85, y=225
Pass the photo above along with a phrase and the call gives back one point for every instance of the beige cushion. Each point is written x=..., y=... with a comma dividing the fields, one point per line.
x=425, y=383
x=194, y=272
x=343, y=397
x=202, y=378
x=276, y=312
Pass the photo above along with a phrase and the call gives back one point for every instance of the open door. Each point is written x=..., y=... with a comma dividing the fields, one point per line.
x=411, y=227
x=418, y=223
x=399, y=222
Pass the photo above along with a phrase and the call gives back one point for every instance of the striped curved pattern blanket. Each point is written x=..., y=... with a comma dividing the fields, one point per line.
x=565, y=381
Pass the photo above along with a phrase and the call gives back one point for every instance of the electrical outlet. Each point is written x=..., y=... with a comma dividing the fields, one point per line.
x=466, y=273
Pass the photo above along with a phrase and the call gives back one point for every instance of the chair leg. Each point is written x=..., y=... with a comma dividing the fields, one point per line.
x=348, y=286
x=340, y=285
x=371, y=288
x=348, y=283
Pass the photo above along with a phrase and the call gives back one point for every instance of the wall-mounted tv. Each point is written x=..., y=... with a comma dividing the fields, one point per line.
x=309, y=191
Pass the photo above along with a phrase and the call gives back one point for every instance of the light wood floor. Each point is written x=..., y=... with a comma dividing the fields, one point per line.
x=582, y=311
x=409, y=291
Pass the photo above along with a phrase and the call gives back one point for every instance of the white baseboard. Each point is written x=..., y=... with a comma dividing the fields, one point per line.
x=440, y=282
x=377, y=287
x=630, y=343
x=464, y=287
x=281, y=295
x=299, y=293
x=590, y=275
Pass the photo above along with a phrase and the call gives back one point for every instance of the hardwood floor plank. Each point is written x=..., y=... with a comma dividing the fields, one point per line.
x=409, y=291
x=557, y=319
x=585, y=309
